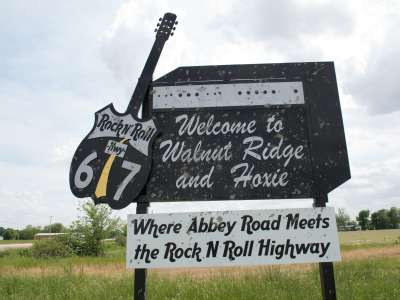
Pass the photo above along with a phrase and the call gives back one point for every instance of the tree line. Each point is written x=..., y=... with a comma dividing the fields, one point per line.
x=97, y=218
x=86, y=236
x=380, y=219
x=29, y=231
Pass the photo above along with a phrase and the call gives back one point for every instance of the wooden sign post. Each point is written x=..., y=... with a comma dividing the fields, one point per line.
x=326, y=273
x=142, y=207
x=140, y=276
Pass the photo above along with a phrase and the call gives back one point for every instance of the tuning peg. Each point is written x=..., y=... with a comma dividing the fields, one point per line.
x=172, y=33
x=155, y=30
x=173, y=28
x=160, y=19
x=176, y=22
x=158, y=24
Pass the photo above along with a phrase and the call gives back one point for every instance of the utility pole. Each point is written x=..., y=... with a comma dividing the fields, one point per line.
x=51, y=217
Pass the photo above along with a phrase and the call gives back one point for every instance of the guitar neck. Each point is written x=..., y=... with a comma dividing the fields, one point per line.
x=165, y=29
x=139, y=94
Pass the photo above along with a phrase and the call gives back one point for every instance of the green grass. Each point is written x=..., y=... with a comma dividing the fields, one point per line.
x=17, y=261
x=369, y=236
x=366, y=279
x=5, y=242
x=349, y=247
x=12, y=258
x=372, y=278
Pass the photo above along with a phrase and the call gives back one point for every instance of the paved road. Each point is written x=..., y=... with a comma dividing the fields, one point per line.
x=14, y=246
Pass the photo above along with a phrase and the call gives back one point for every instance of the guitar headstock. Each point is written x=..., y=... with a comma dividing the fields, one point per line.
x=166, y=26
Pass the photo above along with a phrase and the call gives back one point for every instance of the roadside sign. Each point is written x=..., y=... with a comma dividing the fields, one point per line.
x=231, y=238
x=233, y=132
x=112, y=163
x=262, y=131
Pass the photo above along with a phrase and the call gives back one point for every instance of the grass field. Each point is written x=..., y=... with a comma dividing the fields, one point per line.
x=4, y=242
x=369, y=237
x=369, y=270
x=363, y=279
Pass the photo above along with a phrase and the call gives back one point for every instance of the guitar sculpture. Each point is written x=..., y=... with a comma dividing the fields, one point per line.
x=113, y=162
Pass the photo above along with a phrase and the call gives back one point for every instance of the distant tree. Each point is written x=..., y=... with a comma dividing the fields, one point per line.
x=54, y=228
x=342, y=218
x=2, y=231
x=352, y=223
x=93, y=226
x=28, y=232
x=119, y=227
x=363, y=219
x=11, y=234
x=121, y=235
x=380, y=219
x=394, y=217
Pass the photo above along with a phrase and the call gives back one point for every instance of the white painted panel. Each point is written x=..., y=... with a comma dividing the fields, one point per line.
x=221, y=95
x=229, y=238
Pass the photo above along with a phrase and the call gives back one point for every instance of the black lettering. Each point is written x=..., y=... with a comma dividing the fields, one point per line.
x=326, y=222
x=104, y=118
x=212, y=248
x=292, y=221
x=246, y=224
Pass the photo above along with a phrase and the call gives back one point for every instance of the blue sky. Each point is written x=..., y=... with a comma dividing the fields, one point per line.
x=61, y=61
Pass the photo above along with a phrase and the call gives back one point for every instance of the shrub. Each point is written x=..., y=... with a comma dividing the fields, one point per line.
x=4, y=253
x=50, y=248
x=121, y=234
x=120, y=240
x=92, y=227
x=27, y=252
x=74, y=241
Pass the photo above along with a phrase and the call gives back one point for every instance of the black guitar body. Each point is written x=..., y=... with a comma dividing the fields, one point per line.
x=113, y=162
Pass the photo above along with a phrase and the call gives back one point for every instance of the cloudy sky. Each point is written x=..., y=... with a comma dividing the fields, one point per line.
x=62, y=60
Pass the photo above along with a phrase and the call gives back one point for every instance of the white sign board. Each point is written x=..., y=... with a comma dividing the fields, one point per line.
x=228, y=238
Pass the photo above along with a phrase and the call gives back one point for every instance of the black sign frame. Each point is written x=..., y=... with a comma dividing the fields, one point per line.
x=329, y=164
